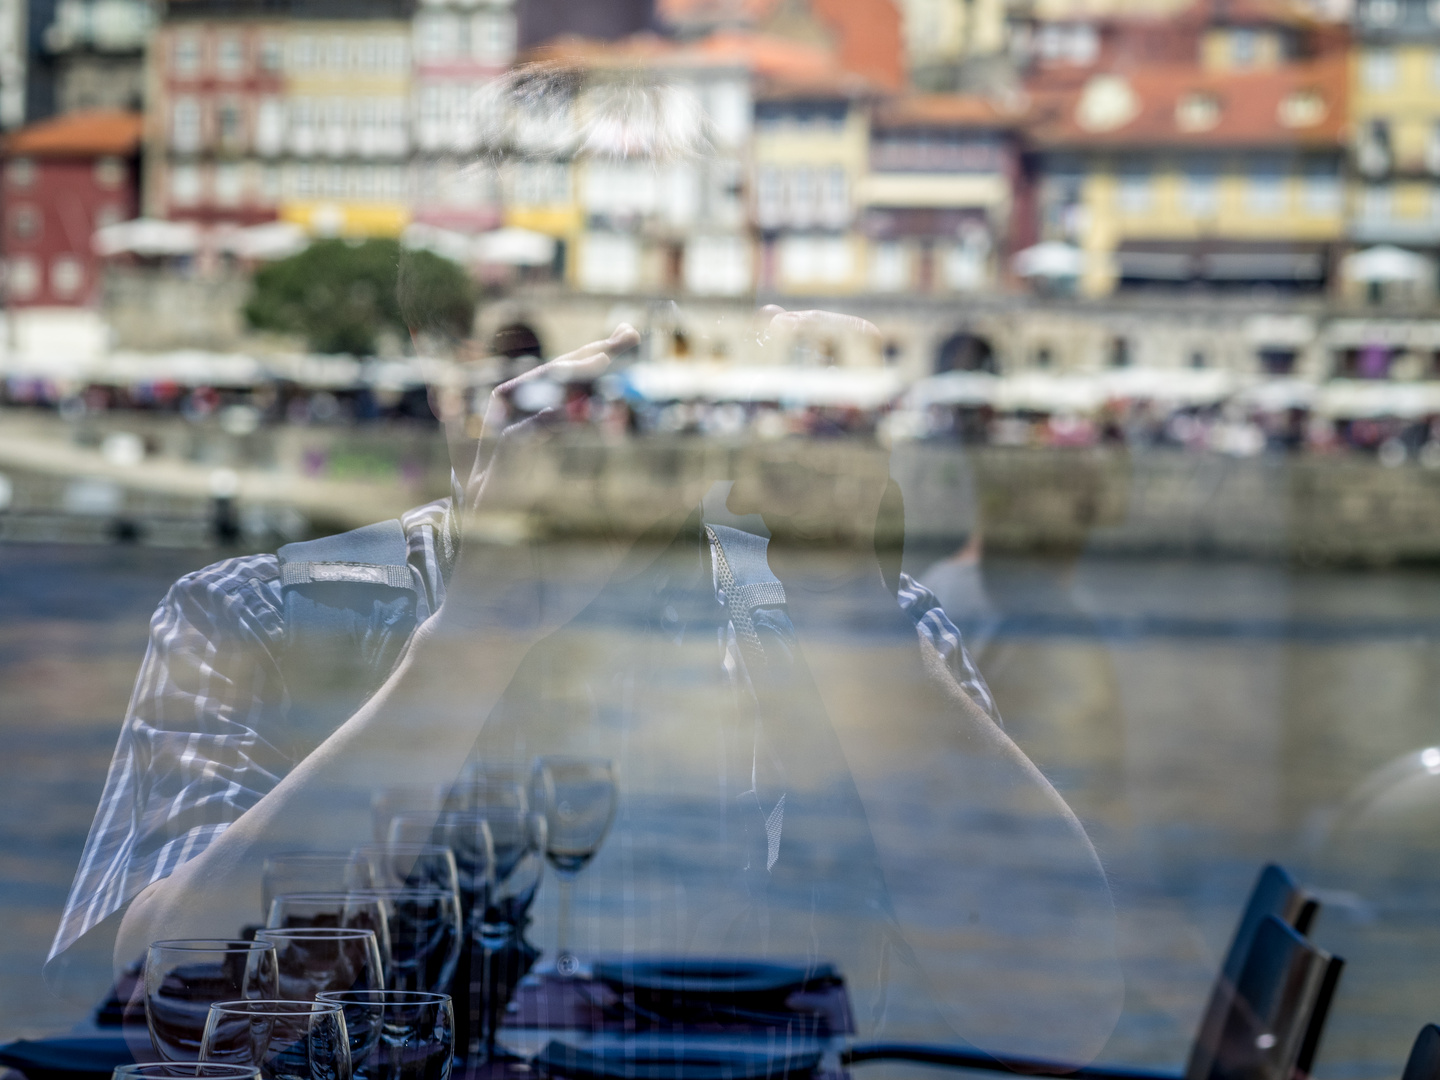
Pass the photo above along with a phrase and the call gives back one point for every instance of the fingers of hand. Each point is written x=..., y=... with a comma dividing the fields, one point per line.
x=815, y=321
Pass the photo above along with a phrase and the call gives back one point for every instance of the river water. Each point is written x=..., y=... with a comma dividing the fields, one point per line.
x=1199, y=717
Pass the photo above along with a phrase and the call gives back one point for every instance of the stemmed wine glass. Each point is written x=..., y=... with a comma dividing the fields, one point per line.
x=285, y=1040
x=398, y=1034
x=344, y=910
x=426, y=935
x=318, y=958
x=577, y=795
x=403, y=864
x=310, y=872
x=184, y=1070
x=184, y=977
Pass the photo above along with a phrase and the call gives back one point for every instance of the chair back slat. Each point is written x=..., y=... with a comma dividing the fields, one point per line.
x=1276, y=996
x=1424, y=1060
x=1275, y=894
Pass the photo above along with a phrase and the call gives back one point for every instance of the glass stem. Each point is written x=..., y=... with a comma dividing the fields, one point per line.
x=563, y=945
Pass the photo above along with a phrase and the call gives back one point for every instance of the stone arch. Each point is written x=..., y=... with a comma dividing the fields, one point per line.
x=514, y=340
x=965, y=351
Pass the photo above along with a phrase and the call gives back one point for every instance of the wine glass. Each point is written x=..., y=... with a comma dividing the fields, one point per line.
x=466, y=834
x=518, y=838
x=316, y=958
x=406, y=864
x=285, y=1040
x=426, y=934
x=577, y=795
x=309, y=872
x=402, y=799
x=183, y=977
x=398, y=1034
x=299, y=911
x=185, y=1070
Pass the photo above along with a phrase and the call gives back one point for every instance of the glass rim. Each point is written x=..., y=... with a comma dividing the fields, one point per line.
x=317, y=895
x=338, y=933
x=300, y=856
x=388, y=891
x=206, y=945
x=201, y=1070
x=274, y=1006
x=383, y=997
x=418, y=847
x=544, y=761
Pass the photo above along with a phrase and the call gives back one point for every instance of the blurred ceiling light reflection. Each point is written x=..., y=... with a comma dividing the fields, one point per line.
x=1430, y=758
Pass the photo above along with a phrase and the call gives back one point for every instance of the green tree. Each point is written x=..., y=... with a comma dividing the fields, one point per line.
x=340, y=296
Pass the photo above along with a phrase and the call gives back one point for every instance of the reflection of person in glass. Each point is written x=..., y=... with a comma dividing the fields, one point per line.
x=797, y=725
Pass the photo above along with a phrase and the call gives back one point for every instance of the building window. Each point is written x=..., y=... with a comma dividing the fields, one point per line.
x=337, y=53
x=1244, y=47
x=230, y=55
x=20, y=172
x=185, y=185
x=1201, y=190
x=109, y=172
x=834, y=197
x=1377, y=202
x=803, y=197
x=1134, y=188
x=1321, y=190
x=231, y=124
x=1119, y=352
x=270, y=126
x=1265, y=192
x=272, y=55
x=769, y=196
x=25, y=223
x=303, y=53
x=889, y=267
x=185, y=55
x=67, y=276
x=1382, y=12
x=229, y=184
x=1378, y=69
x=492, y=38
x=435, y=36
x=23, y=277
x=185, y=125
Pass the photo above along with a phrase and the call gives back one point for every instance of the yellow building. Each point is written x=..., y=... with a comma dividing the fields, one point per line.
x=347, y=102
x=810, y=156
x=1195, y=175
x=1395, y=123
x=252, y=118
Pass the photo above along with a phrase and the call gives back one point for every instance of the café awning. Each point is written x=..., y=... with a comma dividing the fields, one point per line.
x=1049, y=260
x=860, y=388
x=515, y=247
x=146, y=236
x=1387, y=263
x=272, y=240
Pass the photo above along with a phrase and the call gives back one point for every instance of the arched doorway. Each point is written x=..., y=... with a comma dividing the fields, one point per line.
x=964, y=351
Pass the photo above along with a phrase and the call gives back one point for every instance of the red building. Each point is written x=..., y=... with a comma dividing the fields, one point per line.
x=64, y=178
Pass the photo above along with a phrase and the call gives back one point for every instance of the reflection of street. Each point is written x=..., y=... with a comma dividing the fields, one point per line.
x=1195, y=714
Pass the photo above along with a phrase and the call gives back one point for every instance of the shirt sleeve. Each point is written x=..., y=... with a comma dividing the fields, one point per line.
x=198, y=745
x=931, y=622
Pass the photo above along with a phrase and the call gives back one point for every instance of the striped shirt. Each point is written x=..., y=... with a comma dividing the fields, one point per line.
x=205, y=732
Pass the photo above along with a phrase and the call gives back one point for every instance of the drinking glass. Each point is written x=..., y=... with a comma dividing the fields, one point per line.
x=314, y=959
x=577, y=795
x=402, y=799
x=490, y=786
x=185, y=1070
x=184, y=977
x=285, y=1040
x=407, y=865
x=398, y=1034
x=309, y=872
x=344, y=910
x=426, y=934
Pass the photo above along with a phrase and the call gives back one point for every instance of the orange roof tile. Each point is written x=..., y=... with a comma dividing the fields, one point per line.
x=79, y=134
x=943, y=110
x=1294, y=106
x=870, y=38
